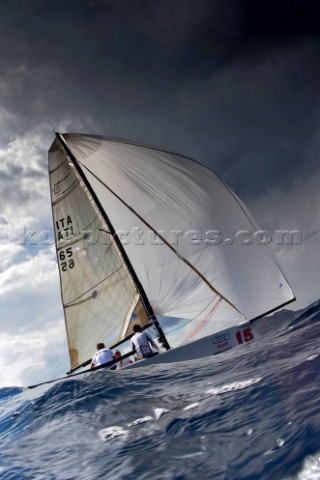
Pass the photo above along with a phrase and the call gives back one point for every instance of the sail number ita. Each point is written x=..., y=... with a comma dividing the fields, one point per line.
x=64, y=230
x=64, y=227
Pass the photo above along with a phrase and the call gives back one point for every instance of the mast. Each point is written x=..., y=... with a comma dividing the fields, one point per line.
x=144, y=299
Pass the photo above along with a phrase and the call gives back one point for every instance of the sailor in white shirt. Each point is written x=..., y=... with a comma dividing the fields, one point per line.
x=123, y=362
x=141, y=343
x=102, y=355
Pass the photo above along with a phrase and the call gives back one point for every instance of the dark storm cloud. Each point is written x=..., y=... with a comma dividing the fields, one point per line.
x=234, y=84
x=283, y=18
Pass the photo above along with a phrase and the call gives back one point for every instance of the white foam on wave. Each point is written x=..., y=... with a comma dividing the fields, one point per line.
x=310, y=469
x=111, y=433
x=190, y=455
x=192, y=405
x=233, y=386
x=116, y=431
x=279, y=443
x=158, y=412
x=313, y=357
x=138, y=421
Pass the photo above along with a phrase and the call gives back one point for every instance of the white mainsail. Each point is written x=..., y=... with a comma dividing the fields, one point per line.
x=178, y=223
x=97, y=289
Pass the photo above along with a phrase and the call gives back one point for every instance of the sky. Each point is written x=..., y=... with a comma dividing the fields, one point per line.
x=231, y=83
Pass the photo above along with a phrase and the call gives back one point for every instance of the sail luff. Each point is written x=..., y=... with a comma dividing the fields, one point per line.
x=163, y=239
x=144, y=299
x=56, y=250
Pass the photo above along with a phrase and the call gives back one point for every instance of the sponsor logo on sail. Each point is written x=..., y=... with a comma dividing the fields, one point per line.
x=221, y=338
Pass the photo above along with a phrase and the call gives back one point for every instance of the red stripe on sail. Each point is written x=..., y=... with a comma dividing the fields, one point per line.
x=202, y=323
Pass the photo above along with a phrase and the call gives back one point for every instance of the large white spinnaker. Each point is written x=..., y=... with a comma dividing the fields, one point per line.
x=176, y=194
x=195, y=211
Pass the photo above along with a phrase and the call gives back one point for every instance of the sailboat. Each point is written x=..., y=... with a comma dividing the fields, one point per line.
x=144, y=235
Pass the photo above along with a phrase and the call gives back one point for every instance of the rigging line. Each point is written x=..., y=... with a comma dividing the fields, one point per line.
x=101, y=229
x=147, y=224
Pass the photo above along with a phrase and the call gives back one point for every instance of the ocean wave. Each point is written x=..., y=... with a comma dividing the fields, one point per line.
x=252, y=412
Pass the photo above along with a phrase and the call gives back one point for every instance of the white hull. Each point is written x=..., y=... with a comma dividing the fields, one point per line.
x=205, y=347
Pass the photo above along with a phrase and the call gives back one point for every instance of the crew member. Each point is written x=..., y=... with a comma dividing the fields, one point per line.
x=142, y=343
x=102, y=355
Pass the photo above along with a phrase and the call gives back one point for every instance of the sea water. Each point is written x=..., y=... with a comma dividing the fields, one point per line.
x=252, y=412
